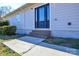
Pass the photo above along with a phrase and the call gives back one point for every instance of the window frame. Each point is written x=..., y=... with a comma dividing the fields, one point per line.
x=45, y=15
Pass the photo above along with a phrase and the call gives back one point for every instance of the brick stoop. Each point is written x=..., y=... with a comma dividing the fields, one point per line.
x=41, y=33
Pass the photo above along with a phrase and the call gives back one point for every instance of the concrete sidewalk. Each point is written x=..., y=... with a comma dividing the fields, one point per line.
x=30, y=46
x=40, y=50
x=19, y=46
x=23, y=44
x=30, y=39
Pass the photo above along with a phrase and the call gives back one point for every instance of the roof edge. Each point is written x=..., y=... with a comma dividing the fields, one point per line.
x=18, y=9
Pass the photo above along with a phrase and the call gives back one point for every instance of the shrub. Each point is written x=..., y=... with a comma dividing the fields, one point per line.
x=8, y=30
x=1, y=29
x=4, y=23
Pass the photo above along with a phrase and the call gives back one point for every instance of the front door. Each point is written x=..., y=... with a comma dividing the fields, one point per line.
x=42, y=16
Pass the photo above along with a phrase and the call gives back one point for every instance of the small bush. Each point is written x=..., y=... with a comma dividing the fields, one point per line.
x=1, y=29
x=4, y=23
x=8, y=30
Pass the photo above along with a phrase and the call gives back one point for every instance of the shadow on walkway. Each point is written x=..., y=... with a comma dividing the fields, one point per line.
x=38, y=41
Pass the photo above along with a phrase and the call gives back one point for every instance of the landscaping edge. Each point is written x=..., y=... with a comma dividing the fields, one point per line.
x=62, y=48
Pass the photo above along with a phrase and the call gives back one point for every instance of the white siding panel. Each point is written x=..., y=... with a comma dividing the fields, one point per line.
x=65, y=13
x=29, y=20
x=12, y=21
x=65, y=34
x=20, y=23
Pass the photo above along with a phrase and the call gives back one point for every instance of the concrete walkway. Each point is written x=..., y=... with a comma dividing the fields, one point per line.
x=32, y=40
x=23, y=45
x=30, y=46
x=19, y=46
x=44, y=51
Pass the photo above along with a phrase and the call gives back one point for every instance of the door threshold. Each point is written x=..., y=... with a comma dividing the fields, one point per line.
x=42, y=29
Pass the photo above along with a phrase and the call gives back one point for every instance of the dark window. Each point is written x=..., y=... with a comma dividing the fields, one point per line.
x=42, y=15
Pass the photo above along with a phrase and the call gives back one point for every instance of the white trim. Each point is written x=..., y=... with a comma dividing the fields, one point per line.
x=50, y=6
x=39, y=5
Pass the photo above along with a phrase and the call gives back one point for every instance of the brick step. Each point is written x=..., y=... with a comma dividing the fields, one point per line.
x=39, y=36
x=40, y=33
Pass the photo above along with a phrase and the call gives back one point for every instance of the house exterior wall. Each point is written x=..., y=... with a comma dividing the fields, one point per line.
x=24, y=19
x=20, y=21
x=17, y=19
x=29, y=18
x=62, y=14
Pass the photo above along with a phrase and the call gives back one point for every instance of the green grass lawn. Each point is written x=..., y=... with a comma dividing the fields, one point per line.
x=4, y=50
x=67, y=42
